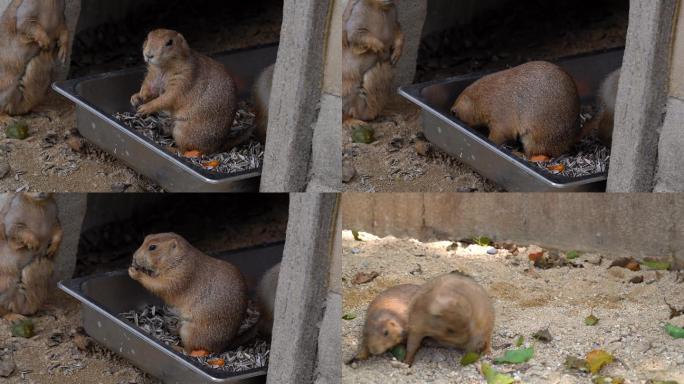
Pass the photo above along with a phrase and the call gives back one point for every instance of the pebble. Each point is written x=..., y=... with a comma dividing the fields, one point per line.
x=492, y=251
x=355, y=251
x=7, y=367
x=348, y=172
x=398, y=364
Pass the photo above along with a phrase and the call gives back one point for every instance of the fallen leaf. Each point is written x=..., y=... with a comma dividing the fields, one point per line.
x=676, y=332
x=199, y=353
x=399, y=352
x=349, y=316
x=211, y=164
x=655, y=264
x=556, y=168
x=23, y=329
x=573, y=255
x=597, y=359
x=543, y=335
x=591, y=320
x=482, y=241
x=218, y=362
x=364, y=278
x=356, y=235
x=572, y=362
x=494, y=377
x=520, y=341
x=515, y=356
x=17, y=130
x=363, y=134
x=470, y=358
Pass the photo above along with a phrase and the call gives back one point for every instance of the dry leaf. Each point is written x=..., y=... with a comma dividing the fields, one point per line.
x=597, y=359
x=364, y=278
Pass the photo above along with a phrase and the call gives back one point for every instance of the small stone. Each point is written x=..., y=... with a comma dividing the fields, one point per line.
x=75, y=143
x=423, y=148
x=355, y=251
x=348, y=172
x=397, y=142
x=593, y=259
x=7, y=367
x=120, y=187
x=492, y=251
x=398, y=364
x=354, y=365
x=636, y=280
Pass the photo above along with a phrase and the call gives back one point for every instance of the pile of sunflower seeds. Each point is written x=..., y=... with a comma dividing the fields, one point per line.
x=246, y=157
x=163, y=324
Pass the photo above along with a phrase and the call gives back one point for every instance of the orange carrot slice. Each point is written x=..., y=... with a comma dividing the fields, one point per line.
x=199, y=353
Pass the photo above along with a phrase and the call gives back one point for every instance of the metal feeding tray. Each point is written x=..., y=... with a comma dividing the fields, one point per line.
x=435, y=98
x=98, y=98
x=104, y=296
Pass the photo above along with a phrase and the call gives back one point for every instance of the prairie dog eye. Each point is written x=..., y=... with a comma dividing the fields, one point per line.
x=386, y=333
x=169, y=43
x=152, y=247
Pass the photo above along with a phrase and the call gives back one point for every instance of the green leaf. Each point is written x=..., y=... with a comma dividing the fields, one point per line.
x=656, y=264
x=482, y=241
x=349, y=316
x=470, y=358
x=676, y=332
x=23, y=329
x=399, y=352
x=515, y=356
x=591, y=320
x=573, y=255
x=18, y=130
x=494, y=377
x=597, y=359
x=520, y=341
x=363, y=134
x=356, y=235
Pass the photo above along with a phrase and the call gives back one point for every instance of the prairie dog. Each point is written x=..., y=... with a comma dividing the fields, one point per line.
x=536, y=103
x=197, y=92
x=386, y=323
x=266, y=294
x=209, y=294
x=371, y=36
x=262, y=97
x=30, y=236
x=453, y=310
x=33, y=33
x=606, y=98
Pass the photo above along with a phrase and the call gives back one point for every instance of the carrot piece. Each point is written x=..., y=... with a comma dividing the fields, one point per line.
x=199, y=353
x=539, y=159
x=193, y=154
x=556, y=168
x=211, y=164
x=216, y=362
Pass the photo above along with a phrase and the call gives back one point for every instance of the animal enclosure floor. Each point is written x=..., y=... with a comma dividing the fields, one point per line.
x=526, y=300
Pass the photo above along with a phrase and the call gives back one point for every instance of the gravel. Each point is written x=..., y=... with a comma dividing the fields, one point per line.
x=526, y=300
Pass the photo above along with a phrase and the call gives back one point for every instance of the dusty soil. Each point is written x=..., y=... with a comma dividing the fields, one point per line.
x=516, y=33
x=526, y=300
x=45, y=162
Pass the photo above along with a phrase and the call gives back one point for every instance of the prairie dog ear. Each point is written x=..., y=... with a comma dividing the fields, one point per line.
x=174, y=243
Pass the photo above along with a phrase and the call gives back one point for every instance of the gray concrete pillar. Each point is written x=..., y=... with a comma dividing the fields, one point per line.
x=412, y=18
x=72, y=210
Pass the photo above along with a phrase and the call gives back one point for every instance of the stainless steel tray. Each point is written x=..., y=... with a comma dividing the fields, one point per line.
x=99, y=97
x=104, y=296
x=435, y=98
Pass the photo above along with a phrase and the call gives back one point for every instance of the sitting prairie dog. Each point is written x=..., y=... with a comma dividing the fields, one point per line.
x=453, y=310
x=604, y=118
x=33, y=33
x=266, y=294
x=536, y=103
x=209, y=294
x=262, y=96
x=30, y=236
x=371, y=37
x=386, y=323
x=197, y=92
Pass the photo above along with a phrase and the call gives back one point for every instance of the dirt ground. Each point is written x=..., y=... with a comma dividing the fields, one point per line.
x=45, y=162
x=526, y=300
x=518, y=32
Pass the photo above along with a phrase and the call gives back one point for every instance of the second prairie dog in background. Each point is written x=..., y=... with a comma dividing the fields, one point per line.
x=262, y=99
x=536, y=103
x=210, y=295
x=194, y=89
x=30, y=236
x=371, y=36
x=386, y=324
x=33, y=34
x=266, y=294
x=605, y=115
x=453, y=310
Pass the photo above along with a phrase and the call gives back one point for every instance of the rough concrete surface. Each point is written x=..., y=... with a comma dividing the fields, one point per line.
x=640, y=225
x=412, y=17
x=72, y=209
x=642, y=96
x=670, y=160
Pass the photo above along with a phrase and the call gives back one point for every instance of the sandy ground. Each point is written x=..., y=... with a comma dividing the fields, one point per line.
x=517, y=33
x=526, y=300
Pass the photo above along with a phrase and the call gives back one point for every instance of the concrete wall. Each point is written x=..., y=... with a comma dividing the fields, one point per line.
x=72, y=209
x=637, y=225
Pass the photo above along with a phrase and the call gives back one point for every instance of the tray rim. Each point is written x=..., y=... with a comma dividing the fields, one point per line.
x=68, y=89
x=412, y=93
x=73, y=288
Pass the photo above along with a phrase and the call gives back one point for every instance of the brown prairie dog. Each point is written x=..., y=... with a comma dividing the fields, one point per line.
x=371, y=36
x=209, y=294
x=262, y=97
x=197, y=92
x=33, y=33
x=604, y=119
x=30, y=236
x=536, y=103
x=266, y=294
x=386, y=323
x=453, y=310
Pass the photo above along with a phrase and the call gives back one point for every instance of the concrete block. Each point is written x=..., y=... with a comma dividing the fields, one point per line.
x=332, y=78
x=330, y=342
x=326, y=160
x=72, y=210
x=412, y=17
x=642, y=96
x=670, y=160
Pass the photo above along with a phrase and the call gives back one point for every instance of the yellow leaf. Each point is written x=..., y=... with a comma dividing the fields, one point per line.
x=597, y=359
